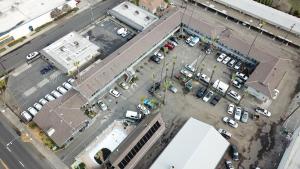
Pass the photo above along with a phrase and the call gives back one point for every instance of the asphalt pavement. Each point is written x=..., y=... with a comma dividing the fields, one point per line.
x=15, y=154
x=77, y=22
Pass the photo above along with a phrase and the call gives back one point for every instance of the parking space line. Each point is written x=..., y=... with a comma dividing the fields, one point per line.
x=21, y=69
x=42, y=83
x=54, y=75
x=29, y=91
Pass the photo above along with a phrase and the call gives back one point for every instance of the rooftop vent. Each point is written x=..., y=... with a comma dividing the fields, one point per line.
x=137, y=12
x=126, y=6
x=147, y=17
x=76, y=43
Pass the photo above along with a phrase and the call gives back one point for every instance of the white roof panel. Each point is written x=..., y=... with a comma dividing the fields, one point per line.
x=196, y=145
x=265, y=13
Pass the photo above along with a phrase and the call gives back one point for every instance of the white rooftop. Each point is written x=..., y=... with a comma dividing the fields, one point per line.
x=291, y=156
x=196, y=145
x=17, y=11
x=71, y=49
x=135, y=14
x=265, y=13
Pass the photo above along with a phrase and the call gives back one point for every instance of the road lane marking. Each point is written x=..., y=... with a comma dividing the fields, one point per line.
x=3, y=164
x=21, y=164
x=8, y=149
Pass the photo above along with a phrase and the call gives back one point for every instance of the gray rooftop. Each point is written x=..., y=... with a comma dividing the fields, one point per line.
x=265, y=13
x=197, y=144
x=133, y=15
x=63, y=115
x=71, y=49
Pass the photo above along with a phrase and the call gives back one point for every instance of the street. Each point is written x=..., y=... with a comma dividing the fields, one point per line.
x=77, y=22
x=15, y=154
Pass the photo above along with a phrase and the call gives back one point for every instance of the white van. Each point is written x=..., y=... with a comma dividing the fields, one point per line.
x=220, y=86
x=133, y=115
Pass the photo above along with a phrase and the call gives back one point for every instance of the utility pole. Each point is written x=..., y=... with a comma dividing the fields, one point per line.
x=173, y=66
x=181, y=27
x=260, y=26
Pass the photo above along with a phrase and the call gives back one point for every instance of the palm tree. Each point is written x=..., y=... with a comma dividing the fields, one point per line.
x=166, y=86
x=212, y=74
x=173, y=66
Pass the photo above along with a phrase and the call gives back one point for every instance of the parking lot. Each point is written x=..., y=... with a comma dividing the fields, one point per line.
x=28, y=85
x=182, y=105
x=104, y=34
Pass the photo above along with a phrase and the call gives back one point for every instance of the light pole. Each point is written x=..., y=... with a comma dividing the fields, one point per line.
x=288, y=33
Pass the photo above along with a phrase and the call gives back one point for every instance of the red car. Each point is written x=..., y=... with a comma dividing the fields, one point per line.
x=169, y=46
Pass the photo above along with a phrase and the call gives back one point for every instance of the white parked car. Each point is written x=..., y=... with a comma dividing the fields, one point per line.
x=32, y=55
x=32, y=111
x=263, y=111
x=26, y=116
x=67, y=85
x=56, y=94
x=189, y=39
x=234, y=95
x=230, y=108
x=49, y=97
x=238, y=113
x=102, y=105
x=143, y=109
x=124, y=85
x=241, y=75
x=224, y=133
x=221, y=57
x=236, y=84
x=190, y=68
x=62, y=90
x=226, y=60
x=133, y=115
x=114, y=93
x=43, y=101
x=122, y=32
x=203, y=77
x=275, y=94
x=159, y=55
x=208, y=96
x=186, y=73
x=230, y=122
x=38, y=106
x=71, y=80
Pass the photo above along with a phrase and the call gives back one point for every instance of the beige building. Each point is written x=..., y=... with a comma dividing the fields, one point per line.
x=153, y=5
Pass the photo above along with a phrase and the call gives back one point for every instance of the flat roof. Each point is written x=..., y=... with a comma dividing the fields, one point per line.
x=265, y=13
x=71, y=49
x=129, y=12
x=64, y=115
x=21, y=11
x=196, y=144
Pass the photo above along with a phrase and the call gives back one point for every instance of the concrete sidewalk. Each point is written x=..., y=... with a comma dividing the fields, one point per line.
x=52, y=158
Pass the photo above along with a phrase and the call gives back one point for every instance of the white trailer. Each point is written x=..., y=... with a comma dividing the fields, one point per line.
x=220, y=86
